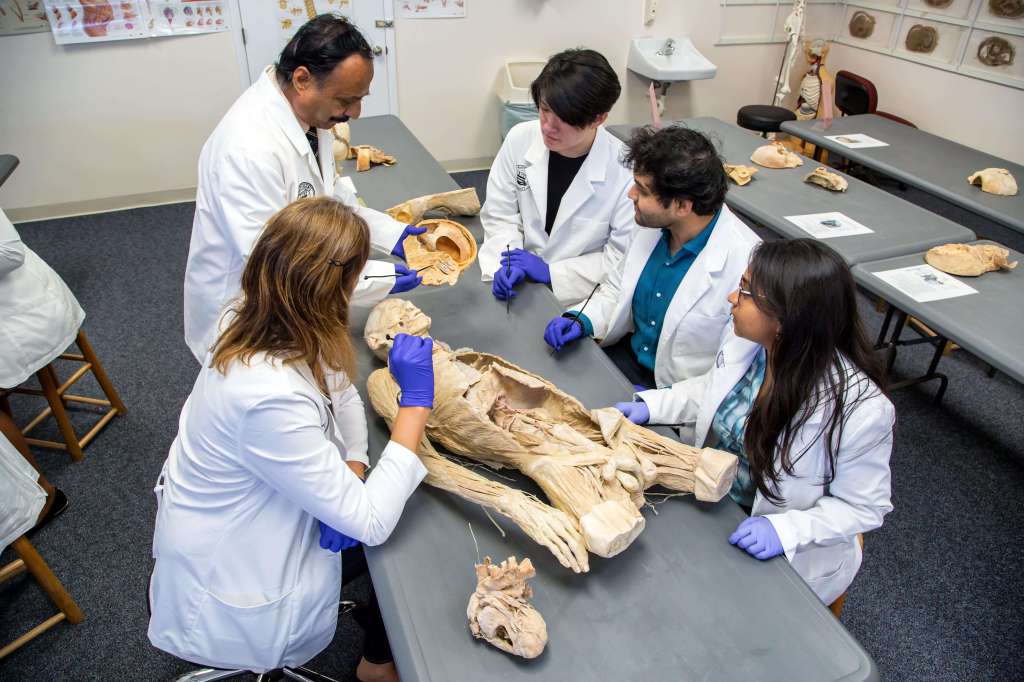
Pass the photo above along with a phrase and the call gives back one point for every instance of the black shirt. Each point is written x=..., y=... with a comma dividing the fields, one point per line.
x=561, y=171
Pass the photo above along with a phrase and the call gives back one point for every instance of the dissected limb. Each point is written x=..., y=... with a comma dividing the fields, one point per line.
x=459, y=202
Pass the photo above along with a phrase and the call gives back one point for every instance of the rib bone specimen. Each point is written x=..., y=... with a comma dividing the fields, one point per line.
x=827, y=179
x=969, y=260
x=499, y=612
x=775, y=155
x=741, y=175
x=592, y=465
x=446, y=245
x=457, y=202
x=995, y=181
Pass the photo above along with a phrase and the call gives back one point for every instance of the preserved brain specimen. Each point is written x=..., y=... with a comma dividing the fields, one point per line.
x=446, y=245
x=996, y=51
x=862, y=25
x=592, y=465
x=775, y=155
x=827, y=179
x=499, y=612
x=939, y=4
x=922, y=38
x=741, y=175
x=969, y=260
x=995, y=181
x=1011, y=9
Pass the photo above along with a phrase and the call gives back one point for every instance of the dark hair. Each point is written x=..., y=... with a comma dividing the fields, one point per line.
x=682, y=164
x=814, y=362
x=321, y=44
x=578, y=85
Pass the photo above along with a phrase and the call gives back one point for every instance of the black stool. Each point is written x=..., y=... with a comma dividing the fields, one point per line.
x=764, y=118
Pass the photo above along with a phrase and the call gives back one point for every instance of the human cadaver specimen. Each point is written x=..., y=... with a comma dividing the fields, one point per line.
x=367, y=155
x=593, y=466
x=739, y=174
x=775, y=155
x=994, y=181
x=969, y=260
x=921, y=38
x=996, y=51
x=463, y=202
x=862, y=24
x=446, y=245
x=827, y=179
x=1009, y=9
x=499, y=612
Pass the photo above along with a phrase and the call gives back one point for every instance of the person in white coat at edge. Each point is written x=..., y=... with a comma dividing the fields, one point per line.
x=255, y=497
x=794, y=393
x=274, y=146
x=39, y=319
x=556, y=209
x=660, y=314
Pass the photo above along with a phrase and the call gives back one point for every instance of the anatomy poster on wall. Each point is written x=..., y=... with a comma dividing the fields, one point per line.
x=181, y=17
x=22, y=16
x=430, y=9
x=294, y=13
x=88, y=21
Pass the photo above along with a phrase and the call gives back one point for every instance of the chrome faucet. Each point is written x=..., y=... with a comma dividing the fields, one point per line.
x=669, y=48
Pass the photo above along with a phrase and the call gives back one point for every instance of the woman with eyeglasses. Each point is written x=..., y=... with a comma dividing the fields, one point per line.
x=794, y=394
x=262, y=486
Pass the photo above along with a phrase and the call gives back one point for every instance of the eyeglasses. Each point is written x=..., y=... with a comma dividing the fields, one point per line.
x=744, y=292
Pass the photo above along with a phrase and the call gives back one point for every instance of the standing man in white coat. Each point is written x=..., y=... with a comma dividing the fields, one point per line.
x=661, y=313
x=272, y=147
x=556, y=210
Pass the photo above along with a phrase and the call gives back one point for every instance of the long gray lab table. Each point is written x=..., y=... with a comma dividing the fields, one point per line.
x=680, y=603
x=8, y=162
x=987, y=324
x=899, y=226
x=928, y=162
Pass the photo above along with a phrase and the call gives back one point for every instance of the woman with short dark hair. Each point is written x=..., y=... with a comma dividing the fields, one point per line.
x=795, y=394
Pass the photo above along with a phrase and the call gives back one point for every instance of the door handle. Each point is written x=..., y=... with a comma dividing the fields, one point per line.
x=378, y=50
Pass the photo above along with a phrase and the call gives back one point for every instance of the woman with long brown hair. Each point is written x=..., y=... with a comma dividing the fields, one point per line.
x=255, y=497
x=794, y=393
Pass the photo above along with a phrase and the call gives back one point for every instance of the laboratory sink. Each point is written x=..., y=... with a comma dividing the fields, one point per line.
x=667, y=60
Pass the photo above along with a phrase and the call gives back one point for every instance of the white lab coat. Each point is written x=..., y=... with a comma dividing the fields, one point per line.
x=39, y=316
x=21, y=496
x=594, y=221
x=256, y=162
x=818, y=531
x=699, y=309
x=240, y=579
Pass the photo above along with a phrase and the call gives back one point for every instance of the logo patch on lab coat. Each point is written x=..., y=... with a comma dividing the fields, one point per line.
x=306, y=190
x=522, y=184
x=720, y=360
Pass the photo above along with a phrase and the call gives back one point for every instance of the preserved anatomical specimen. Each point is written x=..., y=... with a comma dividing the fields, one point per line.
x=446, y=245
x=827, y=179
x=499, y=612
x=995, y=181
x=741, y=175
x=969, y=260
x=775, y=155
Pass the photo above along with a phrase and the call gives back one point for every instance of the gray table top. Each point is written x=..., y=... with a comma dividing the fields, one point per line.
x=680, y=603
x=987, y=324
x=8, y=162
x=922, y=160
x=899, y=226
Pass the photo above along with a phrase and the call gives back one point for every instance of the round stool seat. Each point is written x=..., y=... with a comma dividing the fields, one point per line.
x=764, y=118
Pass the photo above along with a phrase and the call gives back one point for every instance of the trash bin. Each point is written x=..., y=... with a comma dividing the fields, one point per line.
x=514, y=92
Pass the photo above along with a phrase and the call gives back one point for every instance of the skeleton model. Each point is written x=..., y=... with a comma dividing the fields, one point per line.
x=499, y=613
x=816, y=85
x=794, y=28
x=592, y=465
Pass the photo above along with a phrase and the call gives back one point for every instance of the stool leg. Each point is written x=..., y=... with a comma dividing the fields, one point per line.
x=48, y=382
x=47, y=580
x=101, y=376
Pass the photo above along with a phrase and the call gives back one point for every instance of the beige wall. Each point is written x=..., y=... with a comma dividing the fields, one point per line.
x=112, y=120
x=976, y=113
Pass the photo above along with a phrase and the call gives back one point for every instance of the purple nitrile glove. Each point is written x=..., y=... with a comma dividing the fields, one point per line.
x=562, y=331
x=407, y=279
x=636, y=412
x=757, y=536
x=333, y=540
x=505, y=280
x=532, y=264
x=410, y=230
x=412, y=366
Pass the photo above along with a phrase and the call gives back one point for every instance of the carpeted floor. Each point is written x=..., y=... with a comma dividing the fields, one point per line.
x=937, y=598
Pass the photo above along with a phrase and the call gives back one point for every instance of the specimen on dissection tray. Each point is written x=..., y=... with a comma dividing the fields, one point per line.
x=593, y=465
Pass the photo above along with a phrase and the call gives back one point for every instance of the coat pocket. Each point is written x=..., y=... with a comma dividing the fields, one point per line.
x=251, y=636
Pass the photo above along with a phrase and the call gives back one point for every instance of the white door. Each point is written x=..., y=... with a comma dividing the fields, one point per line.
x=268, y=25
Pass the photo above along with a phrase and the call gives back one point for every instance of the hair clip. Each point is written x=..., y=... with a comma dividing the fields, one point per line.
x=335, y=261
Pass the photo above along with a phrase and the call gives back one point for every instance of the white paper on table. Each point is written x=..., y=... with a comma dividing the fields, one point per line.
x=857, y=141
x=923, y=283
x=827, y=225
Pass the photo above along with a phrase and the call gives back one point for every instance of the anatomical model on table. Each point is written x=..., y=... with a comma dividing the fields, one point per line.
x=969, y=260
x=499, y=612
x=775, y=155
x=364, y=154
x=593, y=465
x=997, y=181
x=446, y=245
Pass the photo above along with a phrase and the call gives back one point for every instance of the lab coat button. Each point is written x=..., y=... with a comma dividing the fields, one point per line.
x=653, y=323
x=645, y=348
x=658, y=294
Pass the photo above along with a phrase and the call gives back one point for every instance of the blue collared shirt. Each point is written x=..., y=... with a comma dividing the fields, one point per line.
x=658, y=282
x=730, y=426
